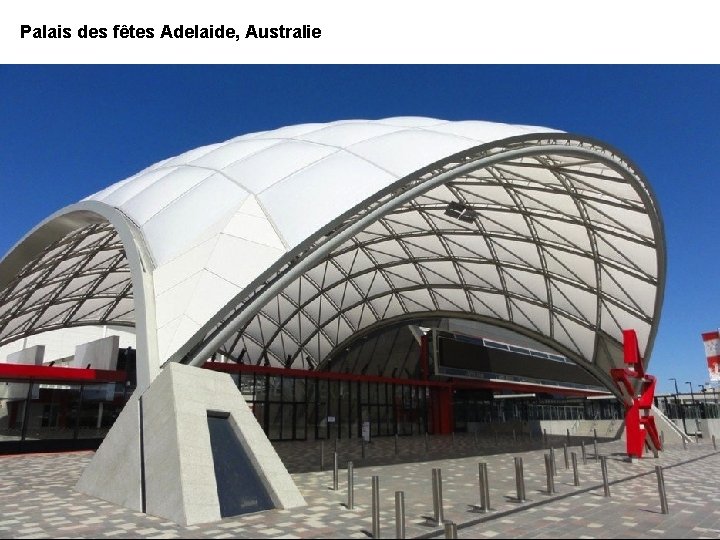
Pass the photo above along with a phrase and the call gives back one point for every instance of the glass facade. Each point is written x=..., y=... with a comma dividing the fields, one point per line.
x=303, y=405
x=297, y=407
x=475, y=407
x=37, y=411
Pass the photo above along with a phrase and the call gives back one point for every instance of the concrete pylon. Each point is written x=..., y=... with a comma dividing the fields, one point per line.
x=158, y=456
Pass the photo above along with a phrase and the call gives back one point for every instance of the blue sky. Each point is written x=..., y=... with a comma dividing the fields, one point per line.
x=69, y=131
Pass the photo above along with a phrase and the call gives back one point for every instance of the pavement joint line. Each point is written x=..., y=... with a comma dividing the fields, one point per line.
x=512, y=511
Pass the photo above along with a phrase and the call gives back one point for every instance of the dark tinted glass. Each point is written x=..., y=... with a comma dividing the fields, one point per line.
x=240, y=490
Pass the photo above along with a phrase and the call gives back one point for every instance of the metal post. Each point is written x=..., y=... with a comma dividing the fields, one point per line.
x=661, y=489
x=376, y=506
x=595, y=433
x=568, y=436
x=519, y=479
x=549, y=475
x=714, y=443
x=450, y=529
x=351, y=486
x=436, y=511
x=400, y=514
x=565, y=452
x=603, y=467
x=576, y=477
x=596, y=450
x=584, y=452
x=484, y=485
x=26, y=412
x=322, y=455
x=552, y=461
x=437, y=496
x=684, y=443
x=335, y=471
x=544, y=437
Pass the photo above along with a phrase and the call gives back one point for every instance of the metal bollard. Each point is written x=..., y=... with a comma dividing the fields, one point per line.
x=684, y=444
x=714, y=443
x=594, y=433
x=584, y=452
x=399, y=514
x=376, y=506
x=596, y=450
x=362, y=443
x=697, y=441
x=519, y=479
x=544, y=437
x=335, y=471
x=484, y=485
x=322, y=456
x=450, y=529
x=603, y=467
x=568, y=436
x=351, y=486
x=552, y=461
x=438, y=512
x=576, y=477
x=661, y=489
x=396, y=444
x=565, y=452
x=336, y=443
x=549, y=475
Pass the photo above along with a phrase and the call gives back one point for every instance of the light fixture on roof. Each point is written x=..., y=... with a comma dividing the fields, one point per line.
x=461, y=212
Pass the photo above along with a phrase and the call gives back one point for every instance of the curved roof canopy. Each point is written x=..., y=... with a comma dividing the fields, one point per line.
x=288, y=243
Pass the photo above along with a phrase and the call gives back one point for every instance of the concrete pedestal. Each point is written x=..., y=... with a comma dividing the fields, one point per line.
x=157, y=457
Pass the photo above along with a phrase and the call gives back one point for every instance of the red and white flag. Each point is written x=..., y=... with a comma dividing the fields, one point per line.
x=712, y=352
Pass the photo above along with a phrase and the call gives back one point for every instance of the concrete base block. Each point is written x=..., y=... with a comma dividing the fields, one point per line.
x=171, y=474
x=114, y=472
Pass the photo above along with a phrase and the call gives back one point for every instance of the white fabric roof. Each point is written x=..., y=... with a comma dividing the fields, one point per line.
x=564, y=244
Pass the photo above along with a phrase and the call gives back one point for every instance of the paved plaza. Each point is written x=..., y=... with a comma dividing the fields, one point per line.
x=37, y=497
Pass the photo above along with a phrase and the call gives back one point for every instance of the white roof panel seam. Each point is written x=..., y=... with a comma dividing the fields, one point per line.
x=168, y=203
x=290, y=176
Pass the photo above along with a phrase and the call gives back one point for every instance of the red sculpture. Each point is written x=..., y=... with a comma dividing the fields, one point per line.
x=638, y=391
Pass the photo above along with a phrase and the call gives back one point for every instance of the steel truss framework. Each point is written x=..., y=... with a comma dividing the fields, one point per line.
x=82, y=278
x=564, y=245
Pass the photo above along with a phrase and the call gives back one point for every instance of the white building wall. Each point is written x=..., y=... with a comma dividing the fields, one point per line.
x=62, y=343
